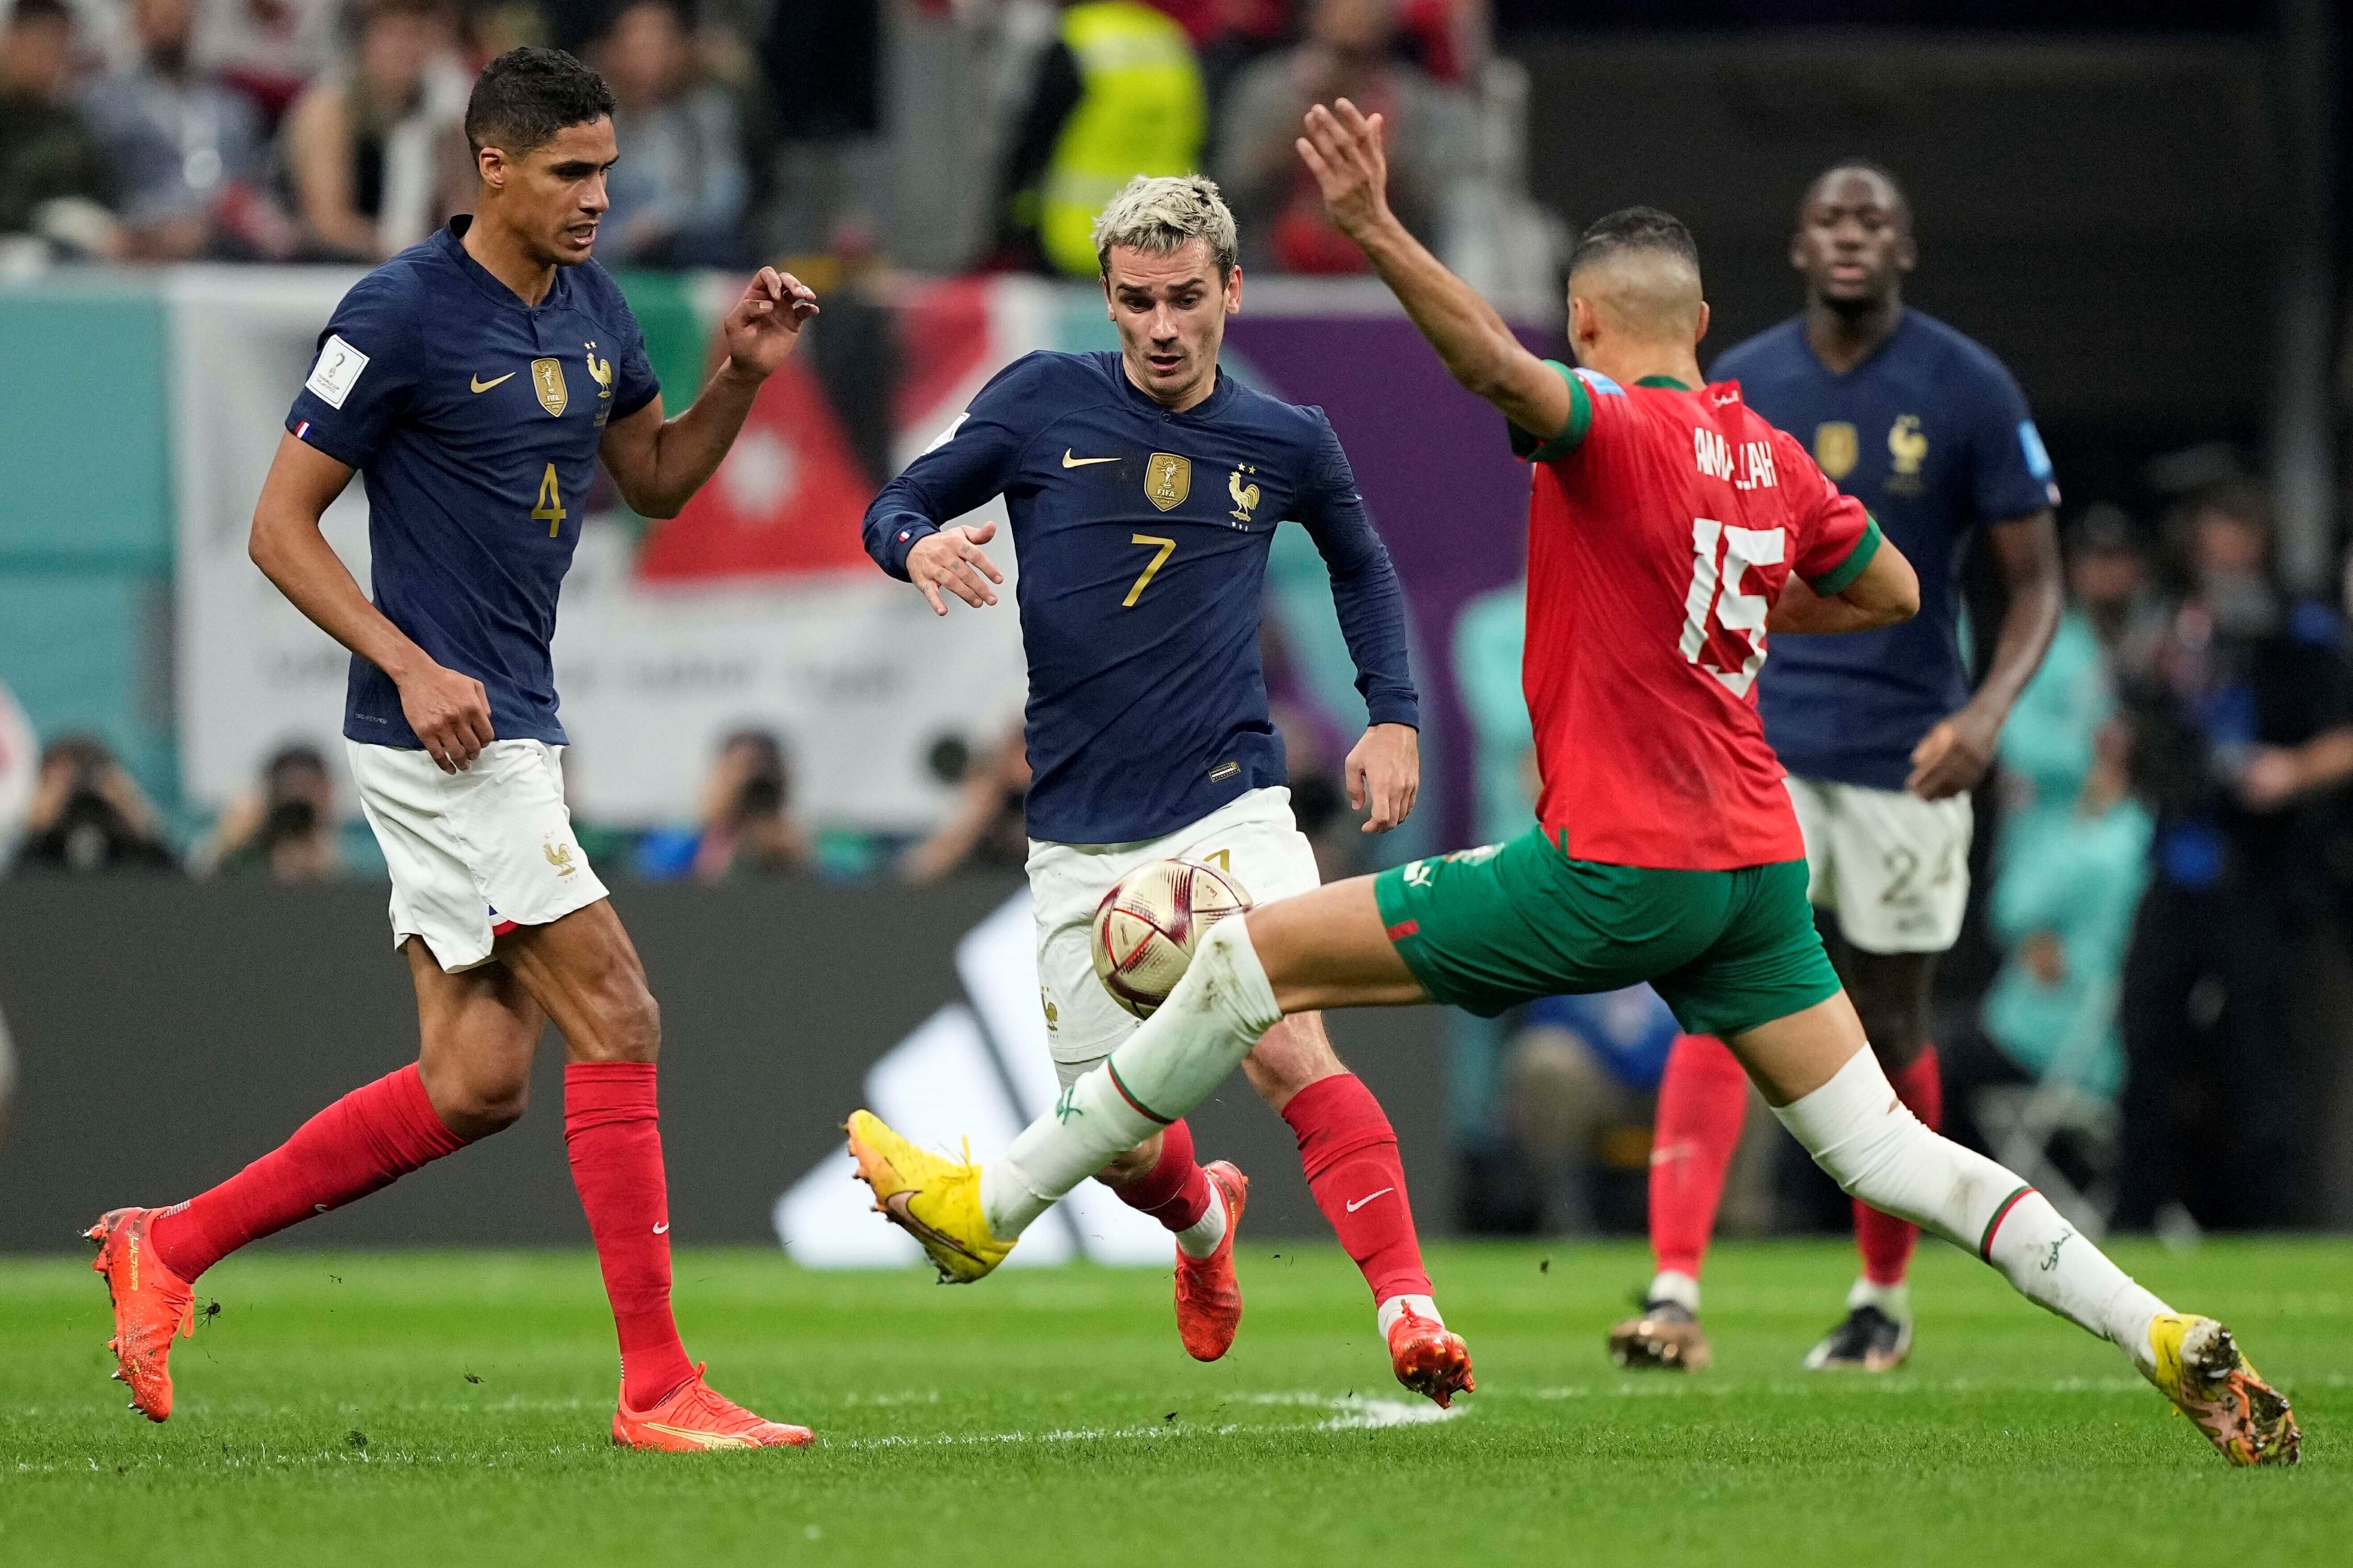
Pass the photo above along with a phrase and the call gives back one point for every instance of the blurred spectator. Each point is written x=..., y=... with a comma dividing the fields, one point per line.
x=376, y=146
x=186, y=153
x=1580, y=1083
x=1349, y=52
x=678, y=191
x=268, y=50
x=88, y=815
x=2246, y=716
x=284, y=829
x=20, y=769
x=1118, y=93
x=986, y=829
x=823, y=63
x=54, y=181
x=747, y=824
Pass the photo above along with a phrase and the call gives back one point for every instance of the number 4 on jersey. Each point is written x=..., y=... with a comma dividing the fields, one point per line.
x=1720, y=557
x=550, y=510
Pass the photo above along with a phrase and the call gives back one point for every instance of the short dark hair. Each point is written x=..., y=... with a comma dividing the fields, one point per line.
x=1860, y=166
x=29, y=12
x=527, y=95
x=1634, y=228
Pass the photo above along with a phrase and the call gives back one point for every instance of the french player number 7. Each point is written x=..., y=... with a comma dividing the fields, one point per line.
x=1167, y=548
x=1720, y=557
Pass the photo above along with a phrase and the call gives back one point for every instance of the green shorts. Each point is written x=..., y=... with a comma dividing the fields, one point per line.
x=1489, y=929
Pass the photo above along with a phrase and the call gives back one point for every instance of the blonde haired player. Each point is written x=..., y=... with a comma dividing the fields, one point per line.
x=1669, y=529
x=1144, y=487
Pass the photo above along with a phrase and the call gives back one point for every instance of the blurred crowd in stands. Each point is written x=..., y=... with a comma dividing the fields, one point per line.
x=157, y=131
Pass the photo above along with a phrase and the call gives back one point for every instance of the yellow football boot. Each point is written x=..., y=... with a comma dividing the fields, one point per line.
x=933, y=1198
x=2198, y=1366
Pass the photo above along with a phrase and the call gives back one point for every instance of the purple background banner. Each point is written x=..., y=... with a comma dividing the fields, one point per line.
x=1433, y=464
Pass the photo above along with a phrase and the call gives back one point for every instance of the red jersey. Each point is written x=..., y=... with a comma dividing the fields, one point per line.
x=1663, y=525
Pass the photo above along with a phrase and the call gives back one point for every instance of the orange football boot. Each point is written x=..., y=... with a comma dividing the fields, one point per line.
x=1208, y=1297
x=697, y=1417
x=1430, y=1358
x=151, y=1305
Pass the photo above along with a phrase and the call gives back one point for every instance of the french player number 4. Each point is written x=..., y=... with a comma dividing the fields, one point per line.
x=1720, y=557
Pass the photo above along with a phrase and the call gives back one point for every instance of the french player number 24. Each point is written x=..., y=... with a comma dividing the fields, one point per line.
x=1721, y=556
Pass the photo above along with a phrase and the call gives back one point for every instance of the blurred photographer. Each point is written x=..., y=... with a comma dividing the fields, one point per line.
x=89, y=815
x=284, y=829
x=747, y=826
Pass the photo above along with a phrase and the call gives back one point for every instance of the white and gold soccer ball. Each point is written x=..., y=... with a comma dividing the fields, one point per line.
x=1147, y=925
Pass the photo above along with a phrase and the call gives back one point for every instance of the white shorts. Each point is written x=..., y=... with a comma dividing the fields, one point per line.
x=1893, y=867
x=1253, y=837
x=474, y=853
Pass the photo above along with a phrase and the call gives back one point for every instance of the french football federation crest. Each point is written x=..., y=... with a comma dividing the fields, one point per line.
x=1167, y=480
x=560, y=856
x=1910, y=449
x=1245, y=496
x=600, y=370
x=547, y=380
x=1836, y=447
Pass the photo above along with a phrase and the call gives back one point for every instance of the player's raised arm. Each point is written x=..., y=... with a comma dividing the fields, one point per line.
x=1343, y=148
x=658, y=463
x=450, y=712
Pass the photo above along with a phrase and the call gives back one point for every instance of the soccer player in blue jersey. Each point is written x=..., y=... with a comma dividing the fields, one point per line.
x=475, y=381
x=1882, y=734
x=1144, y=487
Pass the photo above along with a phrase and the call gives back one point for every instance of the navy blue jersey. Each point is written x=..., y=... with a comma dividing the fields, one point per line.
x=474, y=420
x=1933, y=435
x=1142, y=537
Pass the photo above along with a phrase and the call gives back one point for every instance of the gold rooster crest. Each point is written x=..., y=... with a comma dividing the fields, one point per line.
x=1245, y=496
x=600, y=370
x=1906, y=445
x=560, y=856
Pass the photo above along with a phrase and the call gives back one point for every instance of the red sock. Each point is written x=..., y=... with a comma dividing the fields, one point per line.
x=369, y=1139
x=613, y=1133
x=1886, y=1244
x=1174, y=1191
x=1350, y=1154
x=1702, y=1100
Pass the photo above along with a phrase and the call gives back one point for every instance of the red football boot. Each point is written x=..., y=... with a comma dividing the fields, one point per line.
x=151, y=1305
x=696, y=1417
x=1208, y=1297
x=1430, y=1359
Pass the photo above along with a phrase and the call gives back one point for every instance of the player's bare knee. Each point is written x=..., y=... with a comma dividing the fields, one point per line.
x=477, y=1104
x=1292, y=1055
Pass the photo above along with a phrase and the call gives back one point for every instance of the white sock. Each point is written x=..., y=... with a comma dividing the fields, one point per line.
x=1674, y=1285
x=1183, y=1051
x=1871, y=1143
x=1896, y=1300
x=1396, y=1307
x=1201, y=1237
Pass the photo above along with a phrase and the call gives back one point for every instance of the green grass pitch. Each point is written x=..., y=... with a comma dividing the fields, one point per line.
x=453, y=1407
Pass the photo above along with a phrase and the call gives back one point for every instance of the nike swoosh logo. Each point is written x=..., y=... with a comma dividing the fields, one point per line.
x=1070, y=462
x=661, y=1227
x=480, y=385
x=1368, y=1197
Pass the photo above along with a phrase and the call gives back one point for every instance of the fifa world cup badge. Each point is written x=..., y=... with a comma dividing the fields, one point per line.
x=1167, y=480
x=1836, y=449
x=547, y=380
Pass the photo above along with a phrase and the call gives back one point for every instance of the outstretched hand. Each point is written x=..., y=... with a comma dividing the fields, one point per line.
x=953, y=558
x=765, y=324
x=1344, y=150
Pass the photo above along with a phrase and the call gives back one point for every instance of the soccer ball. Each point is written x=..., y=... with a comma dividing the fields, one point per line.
x=1146, y=926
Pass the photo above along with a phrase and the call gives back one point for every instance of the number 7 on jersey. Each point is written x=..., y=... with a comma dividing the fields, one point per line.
x=1159, y=558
